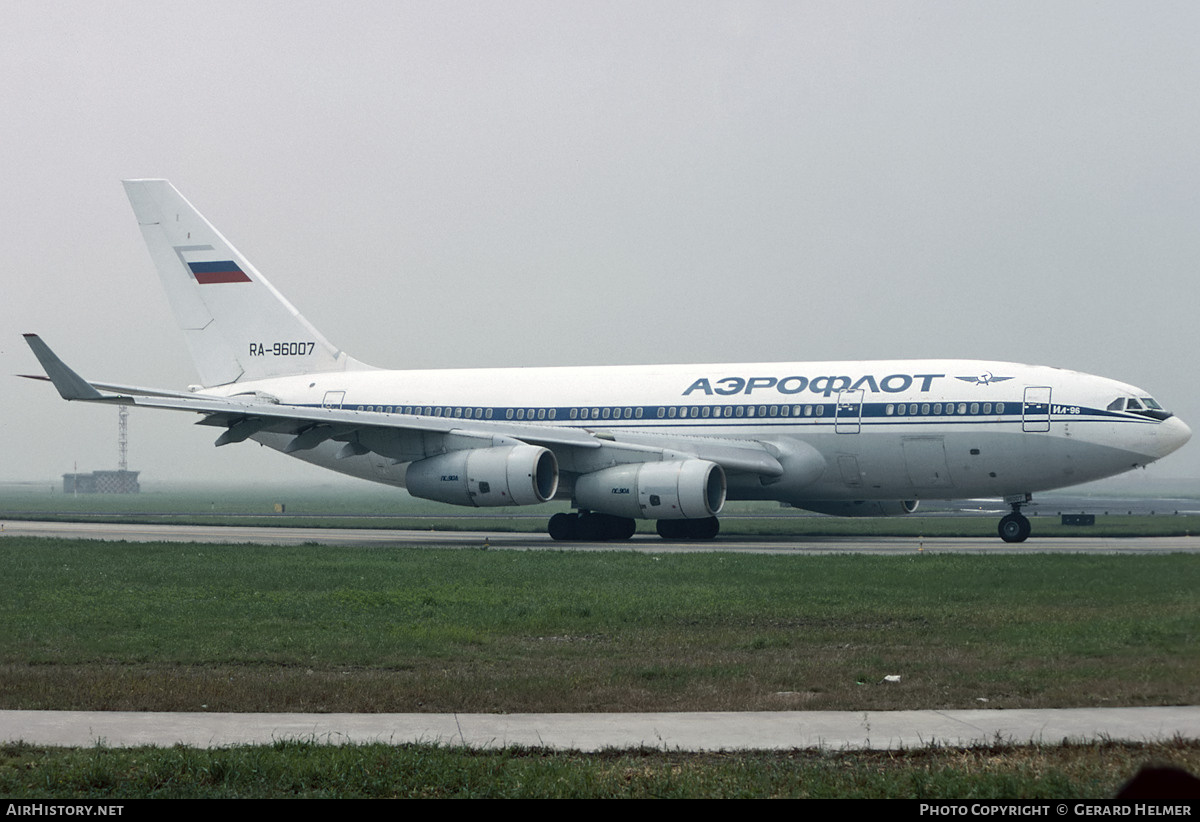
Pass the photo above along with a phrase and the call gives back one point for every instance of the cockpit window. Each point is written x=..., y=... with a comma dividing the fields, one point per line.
x=1143, y=407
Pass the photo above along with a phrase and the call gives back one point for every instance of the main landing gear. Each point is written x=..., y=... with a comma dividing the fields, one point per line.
x=706, y=528
x=1015, y=527
x=590, y=526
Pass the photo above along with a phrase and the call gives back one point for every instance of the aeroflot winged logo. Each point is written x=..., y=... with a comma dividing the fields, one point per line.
x=824, y=385
x=985, y=378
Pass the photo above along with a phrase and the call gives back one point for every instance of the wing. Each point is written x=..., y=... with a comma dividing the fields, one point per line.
x=410, y=437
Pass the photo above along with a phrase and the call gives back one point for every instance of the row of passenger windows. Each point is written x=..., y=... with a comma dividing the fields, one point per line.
x=686, y=411
x=693, y=411
x=938, y=409
x=629, y=413
x=445, y=411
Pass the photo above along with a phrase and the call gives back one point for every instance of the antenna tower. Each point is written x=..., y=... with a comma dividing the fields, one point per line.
x=122, y=437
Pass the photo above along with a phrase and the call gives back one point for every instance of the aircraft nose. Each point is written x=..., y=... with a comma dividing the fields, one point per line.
x=1171, y=435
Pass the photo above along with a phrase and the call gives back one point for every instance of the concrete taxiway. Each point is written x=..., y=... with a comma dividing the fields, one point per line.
x=708, y=731
x=383, y=538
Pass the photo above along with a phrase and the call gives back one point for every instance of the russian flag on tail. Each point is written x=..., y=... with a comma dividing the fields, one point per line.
x=226, y=271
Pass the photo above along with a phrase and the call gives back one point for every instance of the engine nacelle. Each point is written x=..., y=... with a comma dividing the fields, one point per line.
x=486, y=477
x=687, y=489
x=862, y=507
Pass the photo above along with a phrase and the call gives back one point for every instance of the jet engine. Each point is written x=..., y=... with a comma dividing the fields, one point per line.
x=486, y=477
x=687, y=489
x=861, y=507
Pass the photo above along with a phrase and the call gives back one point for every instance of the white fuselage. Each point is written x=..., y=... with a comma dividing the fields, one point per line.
x=876, y=430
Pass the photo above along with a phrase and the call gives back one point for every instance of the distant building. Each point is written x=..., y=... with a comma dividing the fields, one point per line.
x=102, y=482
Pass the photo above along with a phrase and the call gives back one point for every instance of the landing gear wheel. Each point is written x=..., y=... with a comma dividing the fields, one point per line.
x=622, y=528
x=562, y=527
x=1014, y=528
x=706, y=528
x=606, y=527
x=670, y=528
x=590, y=526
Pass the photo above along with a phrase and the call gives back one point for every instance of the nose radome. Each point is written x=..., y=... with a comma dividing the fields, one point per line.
x=1172, y=434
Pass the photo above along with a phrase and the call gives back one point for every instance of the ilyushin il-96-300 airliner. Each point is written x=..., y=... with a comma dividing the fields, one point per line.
x=670, y=443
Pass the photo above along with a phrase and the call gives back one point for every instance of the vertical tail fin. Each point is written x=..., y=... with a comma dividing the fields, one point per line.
x=238, y=327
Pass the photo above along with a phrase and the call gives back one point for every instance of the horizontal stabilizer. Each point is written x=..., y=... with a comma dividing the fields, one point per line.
x=69, y=384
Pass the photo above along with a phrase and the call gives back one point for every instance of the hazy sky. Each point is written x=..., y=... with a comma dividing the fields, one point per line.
x=529, y=183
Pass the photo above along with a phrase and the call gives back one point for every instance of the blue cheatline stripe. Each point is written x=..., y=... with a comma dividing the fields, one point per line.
x=873, y=414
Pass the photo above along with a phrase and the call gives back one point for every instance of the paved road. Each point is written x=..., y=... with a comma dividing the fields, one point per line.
x=830, y=730
x=134, y=532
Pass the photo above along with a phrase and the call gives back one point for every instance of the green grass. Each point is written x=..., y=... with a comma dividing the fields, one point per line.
x=307, y=769
x=92, y=625
x=156, y=626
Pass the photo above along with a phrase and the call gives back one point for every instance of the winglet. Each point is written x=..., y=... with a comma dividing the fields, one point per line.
x=69, y=384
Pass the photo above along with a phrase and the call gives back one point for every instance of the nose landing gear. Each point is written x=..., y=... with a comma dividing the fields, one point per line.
x=1015, y=527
